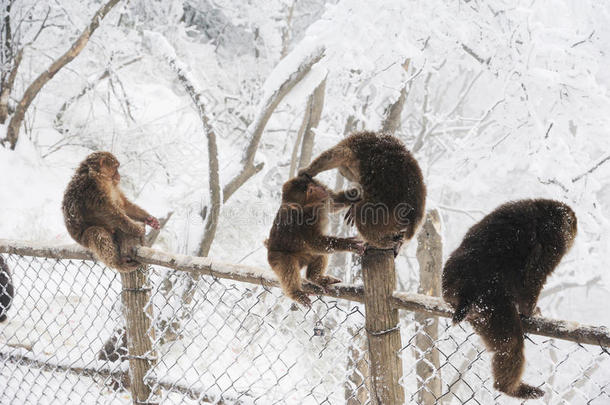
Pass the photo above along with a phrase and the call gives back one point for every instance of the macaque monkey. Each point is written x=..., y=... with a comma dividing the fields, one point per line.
x=495, y=276
x=7, y=291
x=393, y=189
x=99, y=216
x=297, y=238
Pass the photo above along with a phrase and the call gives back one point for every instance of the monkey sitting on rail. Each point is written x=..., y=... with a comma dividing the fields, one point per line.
x=297, y=238
x=7, y=292
x=99, y=216
x=496, y=275
x=393, y=190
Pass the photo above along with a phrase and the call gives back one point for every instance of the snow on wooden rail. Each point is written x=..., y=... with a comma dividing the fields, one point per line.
x=565, y=330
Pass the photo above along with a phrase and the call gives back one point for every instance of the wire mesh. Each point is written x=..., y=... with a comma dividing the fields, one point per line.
x=228, y=342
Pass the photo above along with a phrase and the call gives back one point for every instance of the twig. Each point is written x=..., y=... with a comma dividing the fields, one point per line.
x=591, y=170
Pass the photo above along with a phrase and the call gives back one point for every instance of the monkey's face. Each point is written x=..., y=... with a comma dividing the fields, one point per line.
x=302, y=190
x=315, y=193
x=109, y=167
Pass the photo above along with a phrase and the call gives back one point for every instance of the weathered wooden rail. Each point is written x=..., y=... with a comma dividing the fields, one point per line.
x=381, y=305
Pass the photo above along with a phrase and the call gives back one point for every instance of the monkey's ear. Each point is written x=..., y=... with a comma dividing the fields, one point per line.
x=102, y=161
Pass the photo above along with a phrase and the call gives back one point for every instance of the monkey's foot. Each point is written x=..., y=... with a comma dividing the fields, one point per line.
x=324, y=281
x=527, y=392
x=127, y=264
x=301, y=297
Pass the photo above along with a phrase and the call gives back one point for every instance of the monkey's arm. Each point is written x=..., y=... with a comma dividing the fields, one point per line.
x=345, y=198
x=134, y=211
x=118, y=220
x=330, y=159
x=329, y=244
x=110, y=215
x=533, y=280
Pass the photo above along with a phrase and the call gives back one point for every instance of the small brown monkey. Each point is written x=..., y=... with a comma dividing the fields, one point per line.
x=297, y=238
x=393, y=190
x=497, y=273
x=99, y=216
x=7, y=291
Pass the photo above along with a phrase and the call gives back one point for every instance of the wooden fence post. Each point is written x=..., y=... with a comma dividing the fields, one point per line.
x=135, y=297
x=382, y=328
x=430, y=258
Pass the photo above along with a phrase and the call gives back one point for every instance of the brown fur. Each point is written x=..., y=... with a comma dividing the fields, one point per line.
x=393, y=189
x=497, y=273
x=7, y=292
x=99, y=216
x=297, y=238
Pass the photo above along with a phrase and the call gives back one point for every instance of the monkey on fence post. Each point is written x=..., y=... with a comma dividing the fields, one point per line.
x=495, y=276
x=297, y=238
x=393, y=190
x=7, y=292
x=99, y=216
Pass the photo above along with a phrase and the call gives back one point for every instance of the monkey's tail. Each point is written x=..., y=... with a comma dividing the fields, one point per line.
x=461, y=310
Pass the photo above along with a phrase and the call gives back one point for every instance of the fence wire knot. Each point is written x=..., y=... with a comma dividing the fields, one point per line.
x=138, y=290
x=383, y=332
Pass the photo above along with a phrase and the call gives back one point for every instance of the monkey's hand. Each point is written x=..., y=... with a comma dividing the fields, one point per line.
x=153, y=222
x=301, y=297
x=349, y=216
x=303, y=172
x=356, y=245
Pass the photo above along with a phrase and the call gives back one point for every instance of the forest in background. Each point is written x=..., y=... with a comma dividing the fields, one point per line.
x=211, y=105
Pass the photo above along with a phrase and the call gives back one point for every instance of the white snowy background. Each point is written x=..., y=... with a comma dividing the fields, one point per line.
x=505, y=100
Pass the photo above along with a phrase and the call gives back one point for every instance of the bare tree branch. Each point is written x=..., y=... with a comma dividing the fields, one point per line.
x=34, y=88
x=591, y=170
x=256, y=129
x=58, y=123
x=152, y=236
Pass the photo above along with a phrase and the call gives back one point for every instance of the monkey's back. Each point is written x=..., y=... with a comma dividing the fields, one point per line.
x=80, y=196
x=290, y=225
x=389, y=174
x=510, y=251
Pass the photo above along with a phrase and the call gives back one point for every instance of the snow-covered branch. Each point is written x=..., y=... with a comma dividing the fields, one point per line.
x=292, y=73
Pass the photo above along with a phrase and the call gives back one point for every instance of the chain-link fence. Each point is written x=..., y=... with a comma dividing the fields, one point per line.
x=217, y=340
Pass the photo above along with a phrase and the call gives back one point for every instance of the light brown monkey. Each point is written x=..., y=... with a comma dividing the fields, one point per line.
x=297, y=238
x=393, y=190
x=497, y=273
x=99, y=216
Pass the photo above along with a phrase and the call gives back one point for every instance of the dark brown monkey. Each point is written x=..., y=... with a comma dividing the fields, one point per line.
x=496, y=275
x=99, y=216
x=7, y=291
x=393, y=190
x=297, y=238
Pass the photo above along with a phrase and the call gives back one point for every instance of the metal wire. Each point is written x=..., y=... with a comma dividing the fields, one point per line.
x=229, y=342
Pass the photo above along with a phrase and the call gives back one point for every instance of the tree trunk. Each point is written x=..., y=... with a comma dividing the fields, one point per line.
x=299, y=140
x=394, y=112
x=12, y=133
x=315, y=105
x=430, y=258
x=7, y=87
